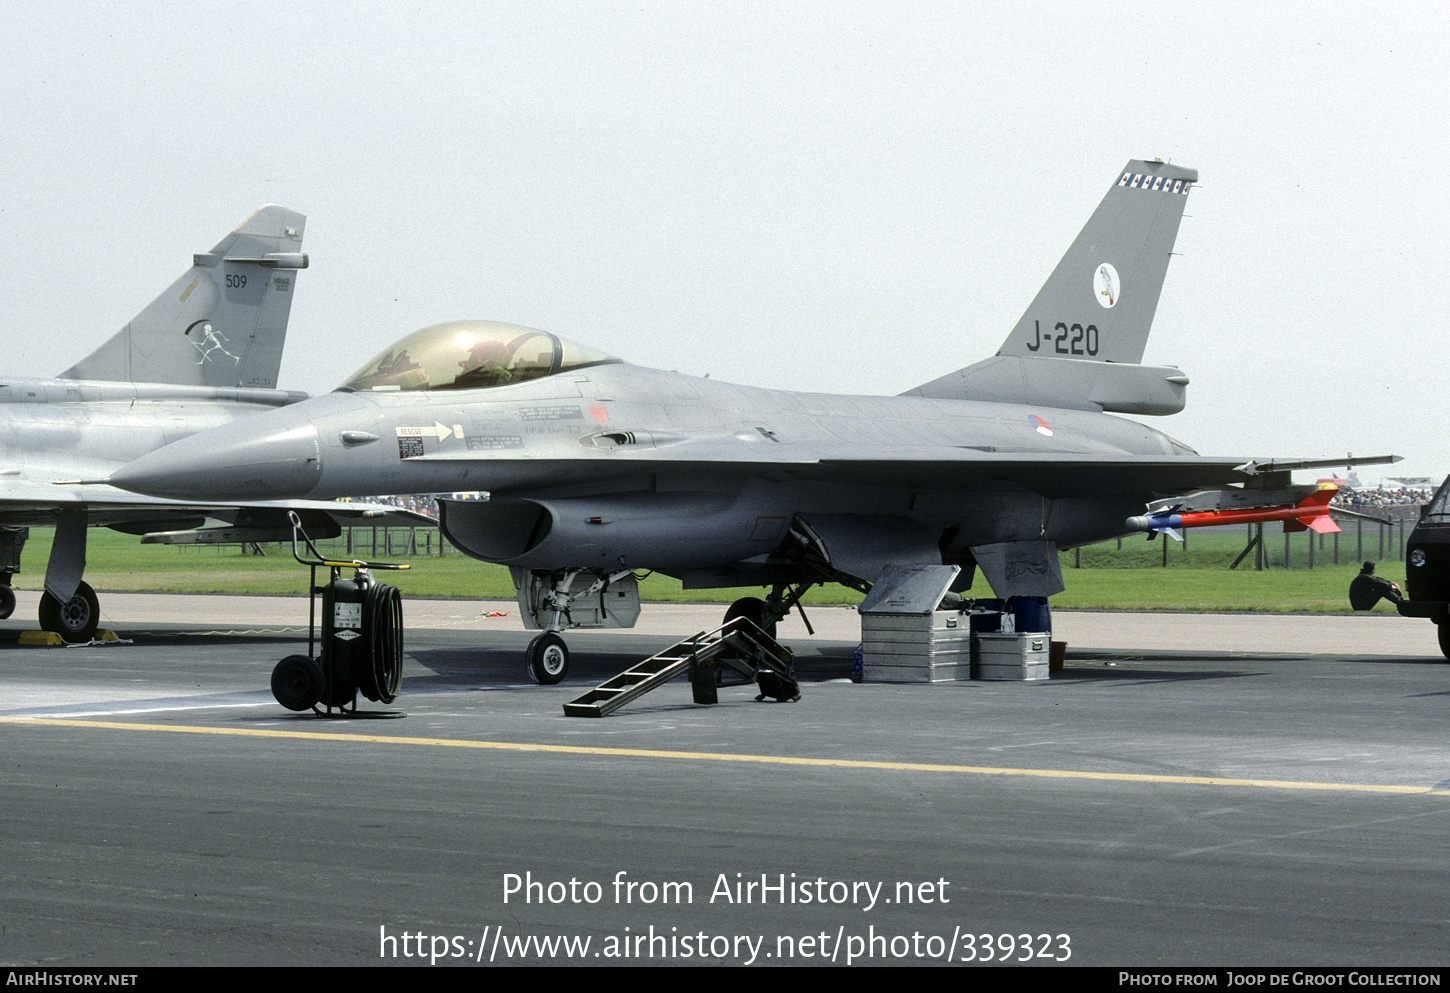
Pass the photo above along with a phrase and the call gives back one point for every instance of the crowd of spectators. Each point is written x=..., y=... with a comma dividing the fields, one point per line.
x=1394, y=502
x=425, y=505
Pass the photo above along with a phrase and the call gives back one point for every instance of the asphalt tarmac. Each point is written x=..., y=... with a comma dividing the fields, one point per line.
x=1211, y=790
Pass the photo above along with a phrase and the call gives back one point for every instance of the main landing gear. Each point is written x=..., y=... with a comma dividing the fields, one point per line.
x=754, y=610
x=75, y=620
x=12, y=543
x=576, y=598
x=547, y=657
x=781, y=600
x=555, y=601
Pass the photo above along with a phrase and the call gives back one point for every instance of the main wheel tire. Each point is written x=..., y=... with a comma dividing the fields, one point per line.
x=298, y=683
x=7, y=601
x=76, y=619
x=547, y=658
x=752, y=608
x=1443, y=629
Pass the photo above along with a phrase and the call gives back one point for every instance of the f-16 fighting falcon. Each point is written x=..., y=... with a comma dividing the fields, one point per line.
x=598, y=468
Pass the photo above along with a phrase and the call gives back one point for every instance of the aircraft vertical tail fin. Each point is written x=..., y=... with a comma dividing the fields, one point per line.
x=221, y=324
x=1111, y=277
x=1079, y=343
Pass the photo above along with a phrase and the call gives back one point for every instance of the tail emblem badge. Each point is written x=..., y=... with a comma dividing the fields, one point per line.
x=1105, y=285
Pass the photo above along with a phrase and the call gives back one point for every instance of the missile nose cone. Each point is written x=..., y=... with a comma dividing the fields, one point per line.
x=1139, y=524
x=268, y=457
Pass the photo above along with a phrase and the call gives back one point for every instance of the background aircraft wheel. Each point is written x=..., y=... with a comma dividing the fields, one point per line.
x=7, y=601
x=547, y=658
x=1443, y=628
x=298, y=683
x=76, y=619
x=753, y=609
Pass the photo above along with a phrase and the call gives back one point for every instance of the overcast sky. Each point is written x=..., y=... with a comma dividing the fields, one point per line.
x=845, y=197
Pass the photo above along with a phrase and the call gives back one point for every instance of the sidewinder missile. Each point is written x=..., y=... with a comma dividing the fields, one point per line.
x=1311, y=513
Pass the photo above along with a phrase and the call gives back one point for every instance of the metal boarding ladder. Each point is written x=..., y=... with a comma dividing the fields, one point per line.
x=738, y=644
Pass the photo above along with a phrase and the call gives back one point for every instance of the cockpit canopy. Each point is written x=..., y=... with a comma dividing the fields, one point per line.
x=471, y=355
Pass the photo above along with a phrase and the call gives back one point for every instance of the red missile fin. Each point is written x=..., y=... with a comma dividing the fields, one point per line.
x=1320, y=522
x=1319, y=498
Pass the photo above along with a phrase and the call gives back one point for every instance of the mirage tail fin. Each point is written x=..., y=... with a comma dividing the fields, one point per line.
x=1079, y=343
x=221, y=324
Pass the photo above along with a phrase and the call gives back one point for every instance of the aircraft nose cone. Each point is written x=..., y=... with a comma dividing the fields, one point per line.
x=250, y=460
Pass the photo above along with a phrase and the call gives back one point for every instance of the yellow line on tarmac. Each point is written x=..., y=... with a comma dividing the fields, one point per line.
x=650, y=753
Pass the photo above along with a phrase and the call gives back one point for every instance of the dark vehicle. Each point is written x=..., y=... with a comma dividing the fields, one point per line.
x=1427, y=566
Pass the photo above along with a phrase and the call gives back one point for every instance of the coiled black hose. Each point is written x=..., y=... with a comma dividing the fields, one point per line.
x=382, y=669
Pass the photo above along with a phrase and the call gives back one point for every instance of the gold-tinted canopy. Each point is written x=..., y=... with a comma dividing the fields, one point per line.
x=471, y=355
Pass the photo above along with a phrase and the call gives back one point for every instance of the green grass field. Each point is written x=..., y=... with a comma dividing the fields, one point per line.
x=1133, y=578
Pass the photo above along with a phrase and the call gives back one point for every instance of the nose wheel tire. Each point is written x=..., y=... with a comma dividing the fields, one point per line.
x=547, y=659
x=76, y=619
x=7, y=602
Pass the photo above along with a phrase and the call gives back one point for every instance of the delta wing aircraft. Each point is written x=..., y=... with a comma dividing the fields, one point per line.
x=598, y=468
x=203, y=354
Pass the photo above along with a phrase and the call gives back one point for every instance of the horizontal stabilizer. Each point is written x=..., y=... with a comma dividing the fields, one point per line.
x=1069, y=383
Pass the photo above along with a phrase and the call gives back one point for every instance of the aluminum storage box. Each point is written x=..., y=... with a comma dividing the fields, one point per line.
x=1013, y=655
x=904, y=638
x=916, y=648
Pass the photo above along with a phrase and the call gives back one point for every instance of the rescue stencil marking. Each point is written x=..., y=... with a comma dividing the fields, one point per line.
x=438, y=430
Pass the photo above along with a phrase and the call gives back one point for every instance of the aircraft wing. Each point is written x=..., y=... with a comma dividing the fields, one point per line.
x=1057, y=476
x=1052, y=475
x=29, y=504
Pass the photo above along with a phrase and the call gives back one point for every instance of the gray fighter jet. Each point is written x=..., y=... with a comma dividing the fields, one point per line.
x=203, y=354
x=598, y=468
